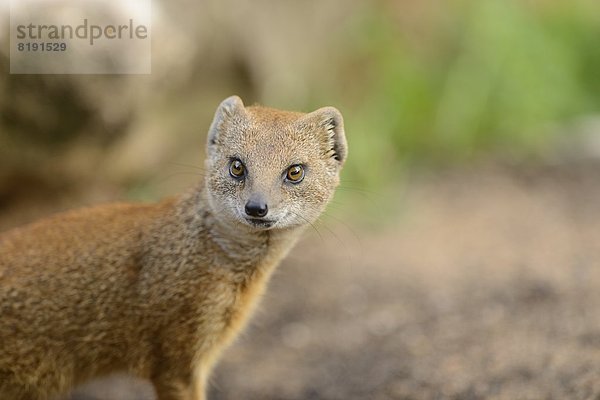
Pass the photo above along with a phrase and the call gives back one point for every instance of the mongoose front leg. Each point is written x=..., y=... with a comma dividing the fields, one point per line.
x=169, y=386
x=177, y=390
x=15, y=392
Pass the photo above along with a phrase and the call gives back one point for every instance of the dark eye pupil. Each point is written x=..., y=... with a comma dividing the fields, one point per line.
x=295, y=173
x=237, y=168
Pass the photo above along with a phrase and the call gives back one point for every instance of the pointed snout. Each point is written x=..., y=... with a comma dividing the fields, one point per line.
x=256, y=206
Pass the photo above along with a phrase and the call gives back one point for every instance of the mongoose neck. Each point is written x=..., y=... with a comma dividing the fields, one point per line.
x=233, y=247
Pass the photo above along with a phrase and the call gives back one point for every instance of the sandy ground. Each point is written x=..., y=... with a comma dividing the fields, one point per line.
x=487, y=286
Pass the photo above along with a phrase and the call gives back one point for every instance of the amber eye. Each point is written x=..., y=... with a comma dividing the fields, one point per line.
x=237, y=169
x=295, y=173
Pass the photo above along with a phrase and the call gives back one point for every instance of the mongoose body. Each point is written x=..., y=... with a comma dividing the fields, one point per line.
x=159, y=290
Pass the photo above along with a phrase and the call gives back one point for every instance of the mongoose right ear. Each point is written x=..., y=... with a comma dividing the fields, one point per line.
x=330, y=121
x=231, y=110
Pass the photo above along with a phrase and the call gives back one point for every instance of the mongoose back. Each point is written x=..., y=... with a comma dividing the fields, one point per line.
x=159, y=290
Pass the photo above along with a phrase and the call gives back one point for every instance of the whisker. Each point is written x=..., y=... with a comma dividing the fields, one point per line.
x=358, y=190
x=331, y=232
x=372, y=197
x=348, y=251
x=187, y=165
x=346, y=225
x=336, y=205
x=170, y=176
x=310, y=223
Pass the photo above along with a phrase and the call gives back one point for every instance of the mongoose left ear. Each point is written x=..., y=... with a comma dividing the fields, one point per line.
x=331, y=121
x=231, y=110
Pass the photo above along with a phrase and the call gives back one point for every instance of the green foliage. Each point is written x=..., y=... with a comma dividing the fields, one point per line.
x=482, y=76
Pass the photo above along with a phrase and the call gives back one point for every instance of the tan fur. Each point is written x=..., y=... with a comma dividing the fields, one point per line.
x=159, y=290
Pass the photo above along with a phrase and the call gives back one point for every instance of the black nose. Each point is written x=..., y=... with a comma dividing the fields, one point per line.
x=256, y=208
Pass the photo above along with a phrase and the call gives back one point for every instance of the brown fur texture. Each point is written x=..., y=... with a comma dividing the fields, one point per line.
x=159, y=290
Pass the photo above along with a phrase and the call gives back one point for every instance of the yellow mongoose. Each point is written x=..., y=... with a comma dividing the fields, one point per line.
x=159, y=290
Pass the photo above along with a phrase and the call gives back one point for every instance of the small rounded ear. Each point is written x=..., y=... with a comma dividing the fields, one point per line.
x=230, y=110
x=332, y=123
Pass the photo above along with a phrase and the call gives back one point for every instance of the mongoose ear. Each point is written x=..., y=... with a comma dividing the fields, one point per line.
x=230, y=110
x=330, y=120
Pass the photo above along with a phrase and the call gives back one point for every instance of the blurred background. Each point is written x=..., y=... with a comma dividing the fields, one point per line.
x=461, y=256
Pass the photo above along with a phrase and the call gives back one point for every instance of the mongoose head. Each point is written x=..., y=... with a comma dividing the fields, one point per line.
x=272, y=169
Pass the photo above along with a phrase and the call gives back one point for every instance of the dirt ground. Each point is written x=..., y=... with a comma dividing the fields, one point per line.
x=486, y=286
